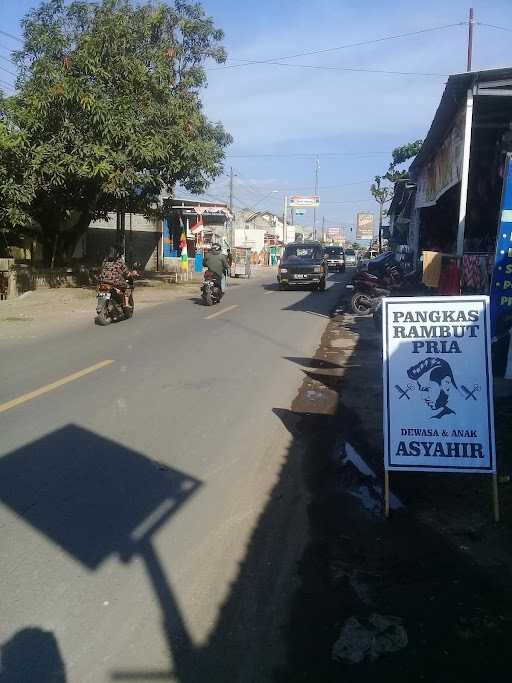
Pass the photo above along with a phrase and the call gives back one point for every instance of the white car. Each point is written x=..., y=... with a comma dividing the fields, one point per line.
x=350, y=257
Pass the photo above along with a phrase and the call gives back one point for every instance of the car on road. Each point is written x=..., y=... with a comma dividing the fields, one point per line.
x=335, y=257
x=303, y=264
x=350, y=257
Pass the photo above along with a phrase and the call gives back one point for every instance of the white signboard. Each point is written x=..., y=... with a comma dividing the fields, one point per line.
x=300, y=202
x=438, y=400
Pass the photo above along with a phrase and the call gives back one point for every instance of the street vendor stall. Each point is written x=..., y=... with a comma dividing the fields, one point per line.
x=241, y=264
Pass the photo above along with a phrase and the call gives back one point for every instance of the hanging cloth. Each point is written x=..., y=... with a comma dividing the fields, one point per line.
x=432, y=261
x=449, y=282
x=471, y=270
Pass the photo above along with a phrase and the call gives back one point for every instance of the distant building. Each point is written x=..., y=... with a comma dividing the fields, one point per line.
x=261, y=228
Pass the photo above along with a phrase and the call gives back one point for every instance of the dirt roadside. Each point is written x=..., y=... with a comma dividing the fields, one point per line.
x=35, y=313
x=424, y=596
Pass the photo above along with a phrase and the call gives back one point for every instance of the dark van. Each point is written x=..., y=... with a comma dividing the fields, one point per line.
x=303, y=264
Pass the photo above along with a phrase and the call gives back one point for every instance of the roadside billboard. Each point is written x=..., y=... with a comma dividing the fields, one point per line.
x=365, y=225
x=438, y=398
x=302, y=202
x=333, y=233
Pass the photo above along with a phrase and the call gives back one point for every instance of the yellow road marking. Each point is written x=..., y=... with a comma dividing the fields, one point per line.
x=24, y=398
x=224, y=310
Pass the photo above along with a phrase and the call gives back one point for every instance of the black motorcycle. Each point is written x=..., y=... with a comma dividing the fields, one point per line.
x=383, y=277
x=211, y=291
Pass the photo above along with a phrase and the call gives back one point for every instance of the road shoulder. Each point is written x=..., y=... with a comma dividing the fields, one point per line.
x=437, y=573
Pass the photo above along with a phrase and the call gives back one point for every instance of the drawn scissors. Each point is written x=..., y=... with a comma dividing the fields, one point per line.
x=469, y=393
x=405, y=392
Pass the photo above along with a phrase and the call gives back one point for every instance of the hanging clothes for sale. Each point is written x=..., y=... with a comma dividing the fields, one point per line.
x=472, y=276
x=449, y=282
x=432, y=261
x=485, y=272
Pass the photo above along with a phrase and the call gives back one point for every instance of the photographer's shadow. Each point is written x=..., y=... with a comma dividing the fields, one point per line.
x=32, y=656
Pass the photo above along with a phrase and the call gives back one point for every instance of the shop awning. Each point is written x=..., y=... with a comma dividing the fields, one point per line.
x=491, y=82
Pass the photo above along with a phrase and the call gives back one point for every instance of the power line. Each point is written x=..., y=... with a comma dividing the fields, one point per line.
x=339, y=47
x=11, y=36
x=500, y=28
x=334, y=187
x=11, y=73
x=350, y=201
x=7, y=60
x=354, y=69
x=9, y=85
x=353, y=155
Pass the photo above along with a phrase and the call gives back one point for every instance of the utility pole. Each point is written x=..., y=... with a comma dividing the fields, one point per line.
x=231, y=188
x=317, y=166
x=323, y=228
x=121, y=230
x=231, y=227
x=285, y=214
x=470, y=38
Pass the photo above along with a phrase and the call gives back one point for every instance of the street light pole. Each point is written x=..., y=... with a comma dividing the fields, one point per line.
x=317, y=166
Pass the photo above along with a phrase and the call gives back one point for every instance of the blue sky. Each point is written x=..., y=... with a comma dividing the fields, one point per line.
x=352, y=120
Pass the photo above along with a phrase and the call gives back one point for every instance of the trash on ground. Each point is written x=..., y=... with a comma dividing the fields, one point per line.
x=380, y=635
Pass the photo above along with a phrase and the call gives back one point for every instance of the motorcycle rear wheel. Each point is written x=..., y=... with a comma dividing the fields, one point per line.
x=207, y=298
x=361, y=304
x=102, y=315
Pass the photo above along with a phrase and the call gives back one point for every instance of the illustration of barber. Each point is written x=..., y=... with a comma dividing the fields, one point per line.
x=436, y=385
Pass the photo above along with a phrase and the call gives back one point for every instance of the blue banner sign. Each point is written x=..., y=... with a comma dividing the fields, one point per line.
x=501, y=285
x=167, y=238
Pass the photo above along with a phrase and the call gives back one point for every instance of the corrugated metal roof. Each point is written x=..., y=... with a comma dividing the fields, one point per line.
x=451, y=101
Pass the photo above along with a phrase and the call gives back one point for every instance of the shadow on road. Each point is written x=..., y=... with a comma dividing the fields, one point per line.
x=96, y=499
x=313, y=304
x=31, y=655
x=356, y=564
x=316, y=556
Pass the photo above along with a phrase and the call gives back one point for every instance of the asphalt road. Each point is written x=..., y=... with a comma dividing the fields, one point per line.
x=132, y=483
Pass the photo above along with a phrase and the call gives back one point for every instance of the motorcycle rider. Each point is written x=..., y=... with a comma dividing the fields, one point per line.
x=217, y=263
x=115, y=272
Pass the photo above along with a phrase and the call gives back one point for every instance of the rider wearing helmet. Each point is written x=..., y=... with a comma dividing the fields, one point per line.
x=114, y=271
x=216, y=261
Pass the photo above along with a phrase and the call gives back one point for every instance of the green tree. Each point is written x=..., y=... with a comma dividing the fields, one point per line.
x=108, y=107
x=383, y=187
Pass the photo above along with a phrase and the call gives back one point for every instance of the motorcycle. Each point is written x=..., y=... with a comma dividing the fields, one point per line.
x=110, y=306
x=211, y=291
x=370, y=288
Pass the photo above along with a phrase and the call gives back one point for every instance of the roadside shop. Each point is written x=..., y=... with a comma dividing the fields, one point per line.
x=449, y=211
x=194, y=224
x=448, y=215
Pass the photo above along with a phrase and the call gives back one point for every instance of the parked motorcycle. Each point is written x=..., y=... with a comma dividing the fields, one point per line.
x=110, y=302
x=383, y=277
x=211, y=291
x=369, y=290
